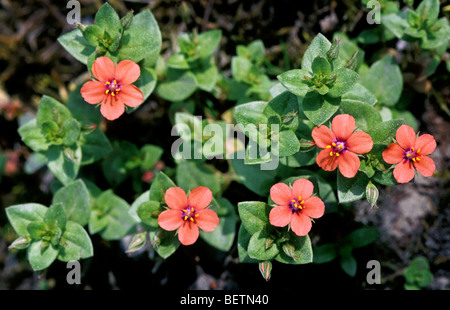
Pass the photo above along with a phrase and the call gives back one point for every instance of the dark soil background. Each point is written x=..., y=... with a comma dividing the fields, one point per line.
x=413, y=219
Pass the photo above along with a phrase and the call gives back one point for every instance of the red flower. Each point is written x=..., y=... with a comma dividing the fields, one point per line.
x=410, y=153
x=295, y=206
x=113, y=88
x=340, y=145
x=188, y=214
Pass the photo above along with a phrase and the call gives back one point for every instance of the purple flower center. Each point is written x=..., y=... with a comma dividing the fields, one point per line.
x=296, y=205
x=189, y=214
x=112, y=87
x=337, y=148
x=412, y=155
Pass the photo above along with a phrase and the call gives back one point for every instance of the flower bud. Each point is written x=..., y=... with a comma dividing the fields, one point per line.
x=351, y=64
x=333, y=52
x=20, y=243
x=127, y=20
x=137, y=243
x=372, y=194
x=265, y=268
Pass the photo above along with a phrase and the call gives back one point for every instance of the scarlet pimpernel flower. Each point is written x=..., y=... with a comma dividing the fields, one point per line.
x=113, y=88
x=295, y=206
x=188, y=213
x=341, y=145
x=410, y=154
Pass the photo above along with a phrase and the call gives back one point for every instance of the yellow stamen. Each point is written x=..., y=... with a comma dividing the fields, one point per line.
x=412, y=148
x=197, y=215
x=337, y=154
x=414, y=159
x=302, y=202
x=295, y=205
x=185, y=218
x=331, y=153
x=408, y=155
x=113, y=94
x=107, y=83
x=299, y=197
x=114, y=82
x=333, y=144
x=191, y=219
x=107, y=91
x=328, y=147
x=293, y=200
x=418, y=151
x=117, y=90
x=340, y=146
x=418, y=158
x=192, y=209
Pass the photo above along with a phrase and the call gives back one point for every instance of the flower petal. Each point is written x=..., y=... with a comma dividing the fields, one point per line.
x=302, y=188
x=301, y=224
x=93, y=92
x=349, y=164
x=343, y=126
x=313, y=207
x=325, y=161
x=393, y=154
x=406, y=137
x=404, y=171
x=188, y=233
x=176, y=198
x=359, y=142
x=112, y=108
x=127, y=72
x=280, y=216
x=426, y=144
x=323, y=136
x=131, y=95
x=170, y=219
x=425, y=166
x=207, y=220
x=200, y=197
x=281, y=194
x=103, y=69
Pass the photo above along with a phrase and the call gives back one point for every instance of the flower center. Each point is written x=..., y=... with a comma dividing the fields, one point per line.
x=189, y=214
x=412, y=155
x=296, y=205
x=336, y=148
x=112, y=87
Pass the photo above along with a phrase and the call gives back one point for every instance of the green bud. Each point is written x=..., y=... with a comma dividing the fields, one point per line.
x=20, y=243
x=372, y=194
x=306, y=145
x=138, y=241
x=351, y=64
x=127, y=20
x=333, y=52
x=184, y=11
x=266, y=269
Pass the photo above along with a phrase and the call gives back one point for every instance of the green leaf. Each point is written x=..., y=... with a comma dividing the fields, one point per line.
x=107, y=18
x=285, y=106
x=297, y=250
x=82, y=111
x=346, y=78
x=429, y=11
x=94, y=146
x=178, y=86
x=148, y=212
x=347, y=261
x=222, y=237
x=288, y=144
x=178, y=61
x=51, y=109
x=363, y=236
x=21, y=215
x=56, y=216
x=76, y=45
x=206, y=74
x=76, y=202
x=383, y=133
x=65, y=162
x=37, y=230
x=242, y=245
x=359, y=93
x=318, y=109
x=145, y=196
x=92, y=34
x=366, y=116
x=396, y=23
x=146, y=82
x=324, y=253
x=191, y=174
x=351, y=189
x=75, y=243
x=136, y=44
x=255, y=179
x=164, y=242
x=32, y=136
x=254, y=215
x=295, y=82
x=321, y=66
x=120, y=223
x=319, y=47
x=208, y=42
x=41, y=255
x=258, y=249
x=160, y=185
x=384, y=79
